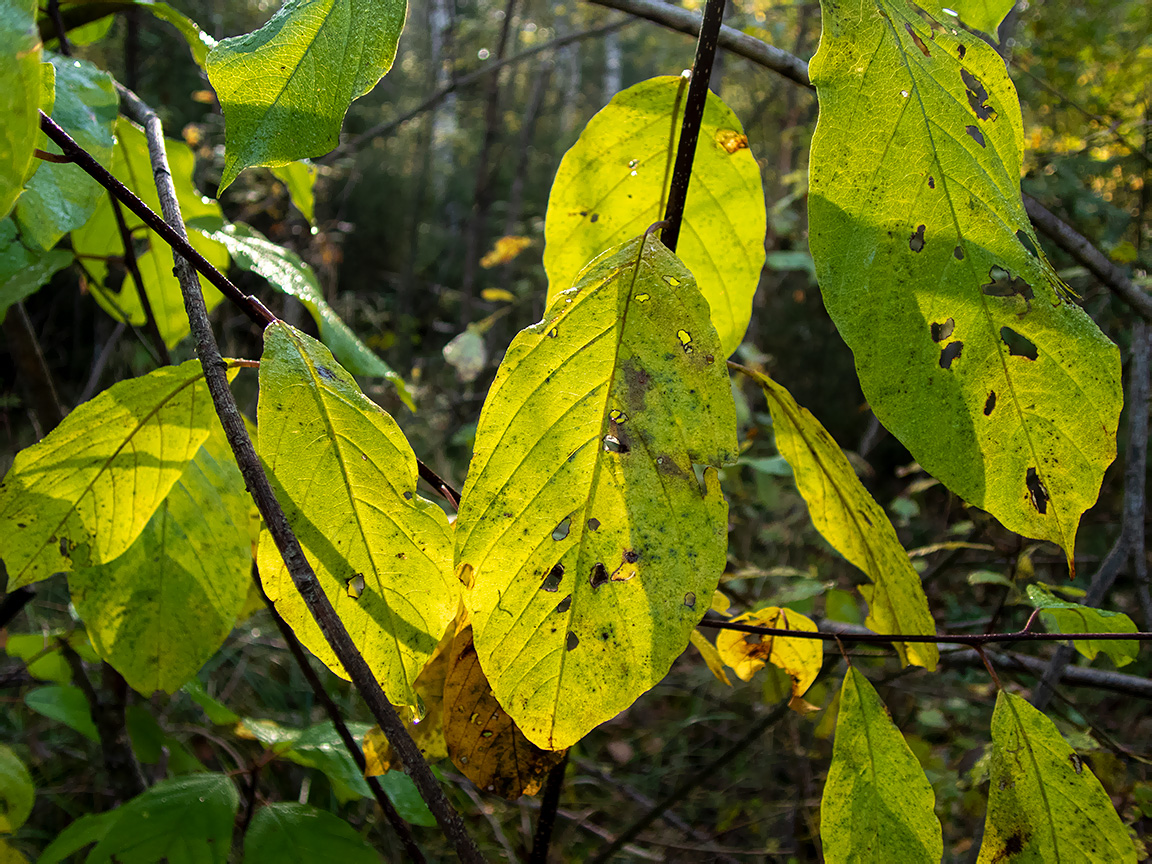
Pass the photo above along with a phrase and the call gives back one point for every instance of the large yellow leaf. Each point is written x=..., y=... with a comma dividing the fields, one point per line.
x=747, y=653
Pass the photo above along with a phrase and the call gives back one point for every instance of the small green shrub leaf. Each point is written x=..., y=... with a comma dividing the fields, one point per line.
x=346, y=477
x=287, y=833
x=982, y=15
x=64, y=704
x=611, y=186
x=593, y=548
x=286, y=87
x=20, y=97
x=22, y=270
x=17, y=791
x=968, y=346
x=852, y=521
x=299, y=178
x=1044, y=802
x=82, y=495
x=877, y=804
x=1062, y=616
x=85, y=831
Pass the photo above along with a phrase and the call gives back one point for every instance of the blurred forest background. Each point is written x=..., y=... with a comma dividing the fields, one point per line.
x=440, y=161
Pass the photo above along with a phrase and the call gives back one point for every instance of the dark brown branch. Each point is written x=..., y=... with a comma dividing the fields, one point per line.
x=693, y=114
x=546, y=820
x=1137, y=464
x=303, y=577
x=133, y=268
x=61, y=31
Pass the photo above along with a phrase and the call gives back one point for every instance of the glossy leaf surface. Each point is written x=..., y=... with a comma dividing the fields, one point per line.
x=877, y=804
x=593, y=548
x=22, y=270
x=286, y=832
x=1044, y=802
x=83, y=494
x=1061, y=616
x=286, y=87
x=20, y=82
x=968, y=346
x=852, y=521
x=611, y=185
x=346, y=477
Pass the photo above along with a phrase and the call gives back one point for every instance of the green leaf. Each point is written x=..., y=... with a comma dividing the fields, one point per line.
x=968, y=346
x=61, y=197
x=160, y=611
x=41, y=651
x=320, y=747
x=285, y=88
x=285, y=272
x=851, y=520
x=99, y=239
x=219, y=713
x=405, y=797
x=285, y=833
x=1061, y=616
x=85, y=831
x=185, y=819
x=86, y=34
x=24, y=270
x=64, y=704
x=1044, y=802
x=346, y=477
x=593, y=547
x=83, y=494
x=152, y=744
x=20, y=86
x=199, y=42
x=299, y=178
x=982, y=15
x=612, y=184
x=877, y=804
x=17, y=791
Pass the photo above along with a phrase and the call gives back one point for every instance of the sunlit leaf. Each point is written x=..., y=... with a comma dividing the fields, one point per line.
x=9, y=854
x=1061, y=616
x=22, y=270
x=199, y=42
x=17, y=791
x=969, y=348
x=158, y=612
x=711, y=656
x=285, y=272
x=1044, y=802
x=505, y=249
x=83, y=494
x=217, y=711
x=346, y=477
x=483, y=741
x=299, y=178
x=852, y=521
x=877, y=804
x=286, y=87
x=99, y=241
x=982, y=15
x=60, y=197
x=43, y=652
x=747, y=653
x=611, y=184
x=593, y=547
x=287, y=832
x=20, y=93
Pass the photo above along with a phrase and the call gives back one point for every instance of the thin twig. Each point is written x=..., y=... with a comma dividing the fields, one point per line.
x=61, y=31
x=101, y=363
x=1137, y=464
x=133, y=268
x=546, y=820
x=34, y=372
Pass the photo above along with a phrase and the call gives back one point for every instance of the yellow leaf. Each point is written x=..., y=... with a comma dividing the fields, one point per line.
x=747, y=653
x=497, y=295
x=720, y=602
x=505, y=250
x=710, y=654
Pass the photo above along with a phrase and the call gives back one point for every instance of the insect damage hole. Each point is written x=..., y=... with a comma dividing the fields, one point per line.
x=355, y=586
x=990, y=403
x=1037, y=492
x=571, y=641
x=976, y=134
x=1003, y=284
x=690, y=600
x=977, y=96
x=942, y=330
x=916, y=241
x=561, y=530
x=612, y=444
x=1018, y=344
x=552, y=580
x=599, y=574
x=950, y=352
x=916, y=38
x=685, y=340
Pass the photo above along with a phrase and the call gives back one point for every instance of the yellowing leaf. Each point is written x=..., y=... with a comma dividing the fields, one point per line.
x=346, y=477
x=1044, y=802
x=852, y=521
x=17, y=791
x=711, y=656
x=593, y=548
x=983, y=15
x=610, y=186
x=505, y=250
x=968, y=346
x=20, y=97
x=498, y=295
x=483, y=741
x=1061, y=616
x=83, y=494
x=877, y=804
x=747, y=653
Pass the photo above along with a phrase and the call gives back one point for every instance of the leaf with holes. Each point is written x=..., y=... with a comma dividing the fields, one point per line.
x=613, y=184
x=21, y=77
x=968, y=346
x=483, y=741
x=1044, y=802
x=982, y=15
x=852, y=521
x=83, y=494
x=1060, y=616
x=346, y=477
x=99, y=241
x=747, y=653
x=593, y=546
x=877, y=803
x=160, y=611
x=285, y=88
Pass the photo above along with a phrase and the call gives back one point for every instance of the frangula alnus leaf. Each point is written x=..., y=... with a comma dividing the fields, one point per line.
x=287, y=832
x=968, y=346
x=747, y=653
x=1061, y=616
x=591, y=546
x=20, y=96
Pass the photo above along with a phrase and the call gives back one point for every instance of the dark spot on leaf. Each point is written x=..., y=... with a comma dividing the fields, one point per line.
x=931, y=182
x=1018, y=345
x=1004, y=284
x=355, y=586
x=951, y=352
x=563, y=605
x=989, y=403
x=1077, y=763
x=1014, y=845
x=1027, y=243
x=977, y=96
x=961, y=51
x=407, y=496
x=1037, y=493
x=561, y=530
x=690, y=600
x=613, y=444
x=594, y=524
x=976, y=134
x=552, y=580
x=595, y=217
x=942, y=330
x=631, y=557
x=916, y=241
x=599, y=574
x=916, y=38
x=572, y=641
x=709, y=359
x=326, y=373
x=958, y=253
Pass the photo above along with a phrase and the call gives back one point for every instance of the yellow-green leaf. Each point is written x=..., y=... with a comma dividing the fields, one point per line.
x=593, y=547
x=82, y=495
x=968, y=346
x=852, y=521
x=299, y=178
x=99, y=239
x=17, y=791
x=20, y=96
x=346, y=477
x=161, y=610
x=747, y=653
x=1061, y=616
x=711, y=656
x=1044, y=802
x=877, y=806
x=611, y=186
x=982, y=15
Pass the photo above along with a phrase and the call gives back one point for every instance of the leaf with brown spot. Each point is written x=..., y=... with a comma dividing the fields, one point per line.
x=747, y=653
